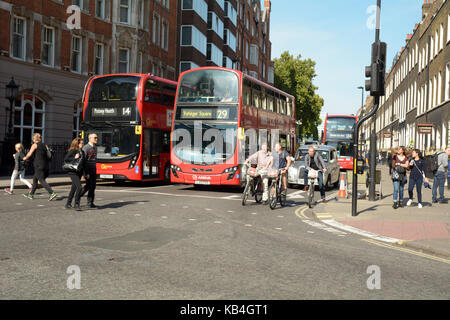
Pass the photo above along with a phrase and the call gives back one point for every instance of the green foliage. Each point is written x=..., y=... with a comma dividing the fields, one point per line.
x=295, y=76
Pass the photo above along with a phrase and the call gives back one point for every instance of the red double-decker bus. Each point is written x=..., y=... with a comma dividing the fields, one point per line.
x=338, y=132
x=221, y=116
x=132, y=116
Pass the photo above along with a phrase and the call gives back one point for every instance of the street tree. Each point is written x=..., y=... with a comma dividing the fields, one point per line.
x=295, y=76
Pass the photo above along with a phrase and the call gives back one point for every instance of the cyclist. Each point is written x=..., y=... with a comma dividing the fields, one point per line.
x=313, y=160
x=284, y=162
x=264, y=161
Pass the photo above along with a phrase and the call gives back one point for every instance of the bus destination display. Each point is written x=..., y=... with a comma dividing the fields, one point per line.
x=226, y=114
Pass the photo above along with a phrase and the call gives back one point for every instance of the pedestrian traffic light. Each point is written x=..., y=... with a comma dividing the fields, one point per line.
x=376, y=71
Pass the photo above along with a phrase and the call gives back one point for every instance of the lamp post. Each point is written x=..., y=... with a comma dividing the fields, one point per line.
x=11, y=91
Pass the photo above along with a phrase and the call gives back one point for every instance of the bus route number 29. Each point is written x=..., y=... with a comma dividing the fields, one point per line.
x=222, y=114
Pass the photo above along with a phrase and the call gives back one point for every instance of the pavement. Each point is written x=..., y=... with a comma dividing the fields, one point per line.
x=426, y=229
x=53, y=180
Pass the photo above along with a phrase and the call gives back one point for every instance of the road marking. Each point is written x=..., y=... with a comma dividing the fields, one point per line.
x=295, y=195
x=310, y=231
x=141, y=202
x=420, y=254
x=254, y=213
x=137, y=215
x=112, y=213
x=300, y=212
x=185, y=207
x=324, y=216
x=40, y=205
x=163, y=205
x=192, y=219
x=19, y=204
x=248, y=225
x=218, y=222
x=208, y=209
x=279, y=229
x=360, y=232
x=164, y=217
x=170, y=194
x=280, y=216
x=325, y=228
x=230, y=211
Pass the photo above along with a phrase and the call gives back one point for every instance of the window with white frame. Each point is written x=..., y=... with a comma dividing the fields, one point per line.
x=156, y=29
x=141, y=14
x=77, y=118
x=199, y=6
x=187, y=65
x=191, y=36
x=125, y=11
x=165, y=4
x=230, y=39
x=448, y=28
x=29, y=118
x=447, y=82
x=436, y=43
x=19, y=38
x=215, y=24
x=441, y=38
x=254, y=56
x=76, y=54
x=227, y=62
x=214, y=54
x=221, y=3
x=439, y=90
x=124, y=60
x=165, y=35
x=432, y=47
x=230, y=12
x=48, y=47
x=100, y=9
x=98, y=58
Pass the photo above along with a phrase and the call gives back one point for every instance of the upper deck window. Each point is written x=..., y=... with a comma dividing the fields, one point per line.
x=114, y=88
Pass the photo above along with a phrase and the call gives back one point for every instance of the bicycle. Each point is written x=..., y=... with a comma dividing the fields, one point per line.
x=312, y=176
x=253, y=186
x=276, y=189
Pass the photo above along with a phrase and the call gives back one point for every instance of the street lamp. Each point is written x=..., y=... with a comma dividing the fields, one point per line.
x=362, y=97
x=11, y=92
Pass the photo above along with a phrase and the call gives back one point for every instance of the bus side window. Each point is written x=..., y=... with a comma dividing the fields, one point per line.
x=152, y=92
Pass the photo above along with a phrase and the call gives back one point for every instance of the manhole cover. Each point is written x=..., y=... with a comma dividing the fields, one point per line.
x=147, y=239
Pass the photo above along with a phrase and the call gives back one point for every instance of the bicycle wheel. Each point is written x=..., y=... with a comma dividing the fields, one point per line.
x=281, y=194
x=245, y=194
x=258, y=190
x=311, y=195
x=273, y=196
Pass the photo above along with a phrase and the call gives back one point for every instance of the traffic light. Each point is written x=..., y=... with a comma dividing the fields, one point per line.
x=376, y=71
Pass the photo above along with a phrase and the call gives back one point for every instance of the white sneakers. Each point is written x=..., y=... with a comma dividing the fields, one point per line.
x=410, y=202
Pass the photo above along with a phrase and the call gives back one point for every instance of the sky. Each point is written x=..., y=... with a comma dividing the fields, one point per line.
x=335, y=34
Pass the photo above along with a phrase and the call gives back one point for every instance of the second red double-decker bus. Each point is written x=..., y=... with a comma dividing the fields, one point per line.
x=338, y=132
x=132, y=116
x=215, y=112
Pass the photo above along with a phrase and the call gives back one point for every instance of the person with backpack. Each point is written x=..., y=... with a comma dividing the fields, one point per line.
x=439, y=167
x=417, y=177
x=42, y=157
x=75, y=160
x=19, y=169
x=399, y=166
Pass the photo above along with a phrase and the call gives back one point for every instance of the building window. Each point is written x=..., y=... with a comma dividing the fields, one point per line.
x=156, y=32
x=436, y=43
x=447, y=82
x=214, y=54
x=141, y=14
x=187, y=65
x=230, y=12
x=19, y=38
x=439, y=89
x=77, y=118
x=99, y=54
x=48, y=48
x=124, y=60
x=230, y=39
x=221, y=3
x=100, y=9
x=166, y=4
x=76, y=54
x=125, y=11
x=29, y=118
x=441, y=38
x=254, y=56
x=215, y=24
x=191, y=36
x=139, y=63
x=165, y=36
x=199, y=6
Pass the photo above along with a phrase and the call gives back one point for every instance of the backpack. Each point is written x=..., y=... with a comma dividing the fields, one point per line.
x=434, y=164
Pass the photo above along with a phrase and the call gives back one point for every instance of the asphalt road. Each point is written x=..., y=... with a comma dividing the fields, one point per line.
x=177, y=242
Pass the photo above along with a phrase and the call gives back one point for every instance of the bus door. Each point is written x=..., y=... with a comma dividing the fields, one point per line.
x=151, y=154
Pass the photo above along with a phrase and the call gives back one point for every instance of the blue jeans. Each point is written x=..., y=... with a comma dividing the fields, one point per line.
x=320, y=180
x=439, y=181
x=399, y=188
x=418, y=184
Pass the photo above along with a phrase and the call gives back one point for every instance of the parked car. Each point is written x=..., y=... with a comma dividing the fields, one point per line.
x=308, y=143
x=329, y=155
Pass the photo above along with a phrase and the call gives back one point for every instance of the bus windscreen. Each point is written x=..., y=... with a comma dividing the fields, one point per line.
x=114, y=88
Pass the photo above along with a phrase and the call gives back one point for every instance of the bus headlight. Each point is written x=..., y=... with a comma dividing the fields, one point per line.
x=175, y=169
x=231, y=172
x=133, y=162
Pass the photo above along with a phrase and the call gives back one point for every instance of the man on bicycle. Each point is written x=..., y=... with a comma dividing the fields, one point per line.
x=314, y=160
x=264, y=160
x=284, y=162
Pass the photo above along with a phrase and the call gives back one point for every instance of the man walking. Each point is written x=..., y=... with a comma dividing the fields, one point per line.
x=440, y=175
x=90, y=169
x=313, y=160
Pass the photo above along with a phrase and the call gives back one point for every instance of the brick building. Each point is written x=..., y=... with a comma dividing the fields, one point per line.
x=418, y=85
x=51, y=63
x=232, y=33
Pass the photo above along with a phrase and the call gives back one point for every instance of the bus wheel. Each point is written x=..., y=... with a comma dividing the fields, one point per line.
x=167, y=174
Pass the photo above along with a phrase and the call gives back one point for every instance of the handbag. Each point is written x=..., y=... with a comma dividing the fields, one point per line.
x=395, y=175
x=400, y=169
x=425, y=184
x=73, y=166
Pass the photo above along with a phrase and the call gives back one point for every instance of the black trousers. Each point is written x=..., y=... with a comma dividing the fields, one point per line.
x=76, y=189
x=91, y=183
x=40, y=174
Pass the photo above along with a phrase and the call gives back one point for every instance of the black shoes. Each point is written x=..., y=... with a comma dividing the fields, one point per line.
x=77, y=207
x=395, y=206
x=443, y=202
x=92, y=206
x=68, y=206
x=400, y=204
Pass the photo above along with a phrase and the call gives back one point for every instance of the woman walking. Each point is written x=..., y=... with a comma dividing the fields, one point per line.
x=41, y=167
x=418, y=169
x=19, y=169
x=399, y=166
x=75, y=154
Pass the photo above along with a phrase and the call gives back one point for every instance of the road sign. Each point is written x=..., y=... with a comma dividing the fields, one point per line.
x=425, y=128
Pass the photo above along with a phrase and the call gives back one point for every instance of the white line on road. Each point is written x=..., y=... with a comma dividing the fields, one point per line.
x=322, y=227
x=360, y=232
